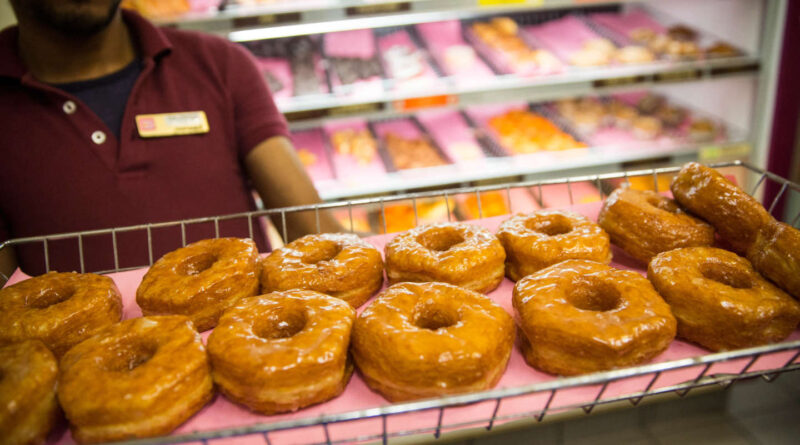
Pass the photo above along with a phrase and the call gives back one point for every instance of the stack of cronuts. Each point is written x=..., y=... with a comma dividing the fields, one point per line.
x=286, y=333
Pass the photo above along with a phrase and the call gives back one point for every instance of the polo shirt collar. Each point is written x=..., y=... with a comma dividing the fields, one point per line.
x=152, y=43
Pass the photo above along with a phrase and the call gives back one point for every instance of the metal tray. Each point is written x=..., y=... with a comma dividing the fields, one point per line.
x=698, y=367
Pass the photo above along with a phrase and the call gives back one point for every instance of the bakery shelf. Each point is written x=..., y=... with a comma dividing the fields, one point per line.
x=291, y=18
x=614, y=147
x=594, y=157
x=532, y=399
x=311, y=109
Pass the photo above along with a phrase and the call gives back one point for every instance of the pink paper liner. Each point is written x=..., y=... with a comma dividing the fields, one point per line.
x=358, y=44
x=563, y=36
x=623, y=24
x=313, y=141
x=426, y=78
x=450, y=131
x=281, y=70
x=403, y=128
x=357, y=396
x=439, y=36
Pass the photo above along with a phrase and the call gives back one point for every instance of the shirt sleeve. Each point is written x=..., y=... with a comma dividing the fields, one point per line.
x=256, y=116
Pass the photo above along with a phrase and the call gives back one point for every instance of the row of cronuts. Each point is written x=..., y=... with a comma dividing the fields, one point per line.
x=288, y=348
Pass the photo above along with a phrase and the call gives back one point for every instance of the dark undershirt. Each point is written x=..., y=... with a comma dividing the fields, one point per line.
x=107, y=95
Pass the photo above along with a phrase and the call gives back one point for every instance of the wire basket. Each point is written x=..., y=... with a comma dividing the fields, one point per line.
x=632, y=384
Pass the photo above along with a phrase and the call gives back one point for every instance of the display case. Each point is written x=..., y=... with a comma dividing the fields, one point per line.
x=716, y=58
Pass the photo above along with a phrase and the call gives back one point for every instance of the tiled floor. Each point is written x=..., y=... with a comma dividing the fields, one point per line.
x=750, y=412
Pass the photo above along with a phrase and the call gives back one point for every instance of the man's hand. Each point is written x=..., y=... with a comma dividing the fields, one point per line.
x=281, y=180
x=8, y=264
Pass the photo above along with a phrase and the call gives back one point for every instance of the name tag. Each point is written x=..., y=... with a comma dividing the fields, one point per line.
x=172, y=124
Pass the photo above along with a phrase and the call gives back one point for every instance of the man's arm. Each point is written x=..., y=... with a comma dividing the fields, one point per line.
x=279, y=177
x=8, y=264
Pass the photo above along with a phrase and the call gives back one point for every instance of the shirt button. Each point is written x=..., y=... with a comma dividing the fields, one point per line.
x=98, y=137
x=69, y=107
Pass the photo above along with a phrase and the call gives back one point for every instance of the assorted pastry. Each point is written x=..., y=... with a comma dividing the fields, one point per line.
x=522, y=132
x=644, y=116
x=286, y=334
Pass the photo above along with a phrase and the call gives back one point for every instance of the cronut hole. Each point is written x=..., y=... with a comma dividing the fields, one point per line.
x=130, y=356
x=594, y=295
x=433, y=317
x=550, y=225
x=197, y=264
x=441, y=239
x=325, y=251
x=285, y=323
x=50, y=297
x=727, y=275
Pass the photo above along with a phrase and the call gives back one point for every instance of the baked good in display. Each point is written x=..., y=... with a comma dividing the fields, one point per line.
x=337, y=264
x=722, y=49
x=357, y=143
x=525, y=132
x=28, y=407
x=644, y=223
x=776, y=255
x=200, y=280
x=283, y=351
x=706, y=193
x=145, y=375
x=546, y=237
x=502, y=35
x=581, y=316
x=60, y=309
x=462, y=254
x=634, y=54
x=646, y=127
x=412, y=153
x=702, y=130
x=419, y=340
x=720, y=301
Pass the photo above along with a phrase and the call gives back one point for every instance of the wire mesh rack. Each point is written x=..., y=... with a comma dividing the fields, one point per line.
x=539, y=399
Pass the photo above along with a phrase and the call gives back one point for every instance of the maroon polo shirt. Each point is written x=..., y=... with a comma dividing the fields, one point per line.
x=63, y=170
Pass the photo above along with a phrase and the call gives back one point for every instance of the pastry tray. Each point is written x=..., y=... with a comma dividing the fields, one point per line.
x=523, y=394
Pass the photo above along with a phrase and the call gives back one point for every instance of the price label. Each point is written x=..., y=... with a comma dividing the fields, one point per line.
x=619, y=81
x=265, y=20
x=715, y=152
x=678, y=76
x=380, y=8
x=417, y=103
x=729, y=70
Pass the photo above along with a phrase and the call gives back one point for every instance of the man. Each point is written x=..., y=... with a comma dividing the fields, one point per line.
x=88, y=138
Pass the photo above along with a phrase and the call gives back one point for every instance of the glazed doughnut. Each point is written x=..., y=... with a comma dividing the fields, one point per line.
x=200, y=280
x=720, y=301
x=60, y=309
x=581, y=316
x=456, y=253
x=283, y=351
x=645, y=223
x=706, y=193
x=138, y=378
x=776, y=255
x=28, y=408
x=419, y=340
x=337, y=264
x=540, y=239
